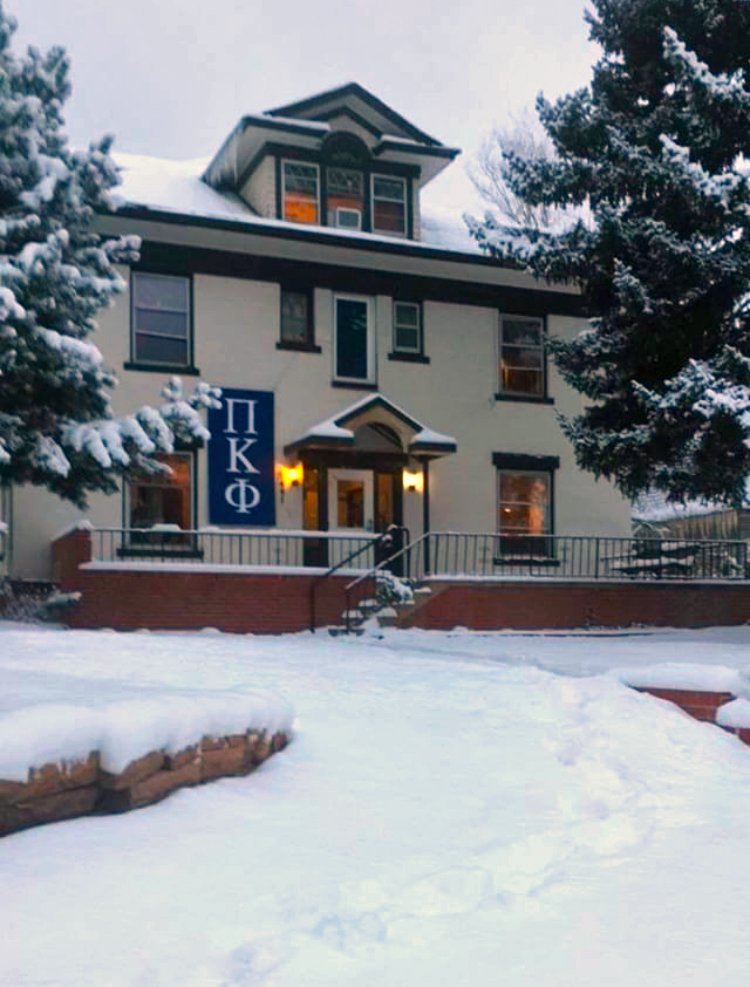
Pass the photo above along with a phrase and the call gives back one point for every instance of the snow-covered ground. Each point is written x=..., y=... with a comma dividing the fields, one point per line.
x=455, y=809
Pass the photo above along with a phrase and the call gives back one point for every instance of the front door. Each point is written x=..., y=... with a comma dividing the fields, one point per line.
x=350, y=509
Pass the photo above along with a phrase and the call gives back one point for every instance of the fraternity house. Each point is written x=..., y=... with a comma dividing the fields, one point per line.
x=377, y=371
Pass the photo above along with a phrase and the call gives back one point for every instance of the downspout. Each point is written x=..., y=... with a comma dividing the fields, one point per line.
x=426, y=513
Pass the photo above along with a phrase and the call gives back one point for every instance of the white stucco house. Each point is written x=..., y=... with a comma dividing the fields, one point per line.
x=377, y=368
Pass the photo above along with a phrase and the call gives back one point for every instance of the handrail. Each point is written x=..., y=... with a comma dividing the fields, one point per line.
x=378, y=540
x=372, y=573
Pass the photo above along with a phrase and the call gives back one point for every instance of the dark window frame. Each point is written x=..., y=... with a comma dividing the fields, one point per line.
x=523, y=549
x=369, y=167
x=408, y=355
x=152, y=366
x=168, y=545
x=370, y=382
x=521, y=396
x=307, y=345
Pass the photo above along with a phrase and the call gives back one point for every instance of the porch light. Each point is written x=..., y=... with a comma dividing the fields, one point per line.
x=413, y=481
x=290, y=476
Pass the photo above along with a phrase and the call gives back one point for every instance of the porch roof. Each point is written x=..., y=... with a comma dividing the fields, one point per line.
x=338, y=431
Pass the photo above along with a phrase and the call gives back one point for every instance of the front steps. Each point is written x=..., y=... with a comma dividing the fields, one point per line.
x=388, y=613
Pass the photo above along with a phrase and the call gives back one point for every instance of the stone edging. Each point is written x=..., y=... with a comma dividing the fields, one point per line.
x=77, y=788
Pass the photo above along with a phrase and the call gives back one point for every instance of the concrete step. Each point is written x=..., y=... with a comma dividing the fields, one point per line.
x=339, y=630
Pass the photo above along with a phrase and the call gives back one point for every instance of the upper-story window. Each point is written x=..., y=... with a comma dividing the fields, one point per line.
x=161, y=319
x=354, y=340
x=301, y=192
x=345, y=198
x=388, y=205
x=522, y=366
x=407, y=327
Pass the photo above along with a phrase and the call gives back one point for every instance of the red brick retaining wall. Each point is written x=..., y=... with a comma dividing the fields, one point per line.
x=535, y=605
x=238, y=602
x=268, y=603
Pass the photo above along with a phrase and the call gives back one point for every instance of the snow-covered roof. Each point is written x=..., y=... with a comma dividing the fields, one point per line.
x=176, y=187
x=654, y=507
x=335, y=430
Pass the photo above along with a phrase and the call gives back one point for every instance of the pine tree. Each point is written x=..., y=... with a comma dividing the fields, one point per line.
x=657, y=148
x=57, y=427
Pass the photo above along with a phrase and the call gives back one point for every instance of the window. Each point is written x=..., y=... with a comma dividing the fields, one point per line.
x=301, y=192
x=161, y=319
x=296, y=327
x=524, y=503
x=354, y=349
x=388, y=205
x=524, y=519
x=344, y=198
x=162, y=499
x=407, y=327
x=522, y=367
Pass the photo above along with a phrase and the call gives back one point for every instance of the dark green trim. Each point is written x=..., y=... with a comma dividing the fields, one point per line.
x=269, y=123
x=525, y=461
x=354, y=385
x=520, y=399
x=344, y=111
x=406, y=357
x=298, y=347
x=319, y=157
x=161, y=368
x=354, y=89
x=357, y=280
x=386, y=144
x=433, y=448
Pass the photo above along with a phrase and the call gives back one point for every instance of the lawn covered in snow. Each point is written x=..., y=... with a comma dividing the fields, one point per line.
x=455, y=809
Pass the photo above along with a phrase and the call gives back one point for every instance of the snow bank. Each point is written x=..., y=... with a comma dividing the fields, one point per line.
x=125, y=730
x=678, y=675
x=735, y=714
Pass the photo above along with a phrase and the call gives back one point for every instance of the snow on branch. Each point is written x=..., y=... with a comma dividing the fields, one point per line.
x=722, y=87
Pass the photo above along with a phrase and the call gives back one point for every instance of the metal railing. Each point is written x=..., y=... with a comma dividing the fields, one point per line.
x=527, y=557
x=292, y=549
x=383, y=542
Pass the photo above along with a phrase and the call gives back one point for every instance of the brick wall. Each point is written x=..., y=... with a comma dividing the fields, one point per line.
x=494, y=606
x=238, y=602
x=268, y=603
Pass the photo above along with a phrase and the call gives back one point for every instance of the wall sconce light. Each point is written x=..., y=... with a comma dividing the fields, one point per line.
x=289, y=476
x=413, y=481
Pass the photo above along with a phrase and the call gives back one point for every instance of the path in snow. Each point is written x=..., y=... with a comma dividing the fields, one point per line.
x=447, y=815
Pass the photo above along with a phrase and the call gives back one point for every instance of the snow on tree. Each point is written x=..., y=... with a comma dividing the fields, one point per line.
x=57, y=427
x=658, y=149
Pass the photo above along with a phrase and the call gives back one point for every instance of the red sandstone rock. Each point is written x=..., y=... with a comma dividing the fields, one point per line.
x=187, y=756
x=151, y=789
x=235, y=760
x=49, y=808
x=136, y=771
x=50, y=779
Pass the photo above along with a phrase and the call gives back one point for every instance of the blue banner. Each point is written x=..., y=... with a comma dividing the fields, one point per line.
x=241, y=484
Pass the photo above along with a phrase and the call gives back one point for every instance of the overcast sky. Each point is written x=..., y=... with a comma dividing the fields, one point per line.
x=171, y=77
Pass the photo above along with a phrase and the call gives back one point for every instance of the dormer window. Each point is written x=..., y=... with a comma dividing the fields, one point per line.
x=388, y=205
x=345, y=198
x=301, y=192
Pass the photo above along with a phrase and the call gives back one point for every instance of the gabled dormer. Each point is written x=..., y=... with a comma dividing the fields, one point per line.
x=340, y=159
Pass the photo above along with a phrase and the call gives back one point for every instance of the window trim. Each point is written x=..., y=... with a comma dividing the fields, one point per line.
x=312, y=164
x=372, y=370
x=521, y=396
x=156, y=366
x=411, y=355
x=405, y=235
x=188, y=549
x=515, y=462
x=307, y=345
x=384, y=169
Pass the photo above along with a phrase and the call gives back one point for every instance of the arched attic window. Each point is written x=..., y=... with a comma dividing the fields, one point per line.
x=345, y=161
